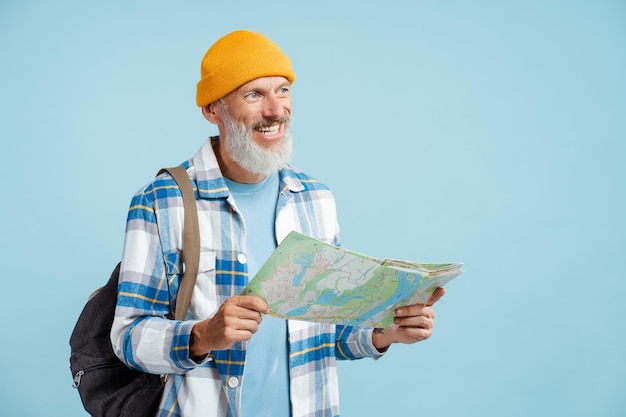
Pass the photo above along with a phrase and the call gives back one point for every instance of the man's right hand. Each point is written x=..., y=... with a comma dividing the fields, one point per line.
x=236, y=320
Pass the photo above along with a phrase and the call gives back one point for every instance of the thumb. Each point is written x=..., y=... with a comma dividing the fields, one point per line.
x=436, y=295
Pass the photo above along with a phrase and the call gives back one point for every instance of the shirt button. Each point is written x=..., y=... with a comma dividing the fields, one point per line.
x=233, y=382
x=241, y=258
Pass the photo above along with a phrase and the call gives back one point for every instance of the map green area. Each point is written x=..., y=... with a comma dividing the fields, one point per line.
x=307, y=279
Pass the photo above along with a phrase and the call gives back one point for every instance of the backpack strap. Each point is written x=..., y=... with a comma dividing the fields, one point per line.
x=191, y=240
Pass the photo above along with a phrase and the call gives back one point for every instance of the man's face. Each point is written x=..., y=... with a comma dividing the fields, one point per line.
x=255, y=120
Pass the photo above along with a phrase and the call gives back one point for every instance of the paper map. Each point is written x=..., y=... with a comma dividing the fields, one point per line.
x=307, y=279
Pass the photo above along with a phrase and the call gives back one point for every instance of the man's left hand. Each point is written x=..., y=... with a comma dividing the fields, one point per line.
x=415, y=323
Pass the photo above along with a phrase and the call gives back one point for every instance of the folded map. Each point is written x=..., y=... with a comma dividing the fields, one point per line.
x=307, y=279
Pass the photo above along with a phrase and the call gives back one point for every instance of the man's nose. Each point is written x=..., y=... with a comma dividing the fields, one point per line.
x=273, y=107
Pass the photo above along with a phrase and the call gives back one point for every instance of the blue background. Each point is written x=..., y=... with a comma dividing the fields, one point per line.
x=485, y=132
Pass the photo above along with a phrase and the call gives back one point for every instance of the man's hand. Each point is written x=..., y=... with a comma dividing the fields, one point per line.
x=415, y=324
x=236, y=320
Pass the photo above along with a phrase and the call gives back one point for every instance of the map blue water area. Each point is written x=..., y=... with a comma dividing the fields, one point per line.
x=407, y=284
x=304, y=259
x=330, y=297
x=298, y=311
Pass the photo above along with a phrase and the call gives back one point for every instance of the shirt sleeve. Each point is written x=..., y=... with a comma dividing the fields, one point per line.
x=141, y=335
x=355, y=343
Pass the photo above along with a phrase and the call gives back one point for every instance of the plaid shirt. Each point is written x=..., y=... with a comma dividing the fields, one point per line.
x=151, y=265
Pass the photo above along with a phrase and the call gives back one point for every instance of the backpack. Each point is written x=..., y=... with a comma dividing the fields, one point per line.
x=107, y=387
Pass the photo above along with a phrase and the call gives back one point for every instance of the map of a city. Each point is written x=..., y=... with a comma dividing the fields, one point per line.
x=307, y=279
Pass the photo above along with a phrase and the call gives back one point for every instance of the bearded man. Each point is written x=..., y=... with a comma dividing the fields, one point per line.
x=226, y=358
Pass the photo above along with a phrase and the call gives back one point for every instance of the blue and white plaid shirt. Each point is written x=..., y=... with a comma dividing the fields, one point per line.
x=144, y=339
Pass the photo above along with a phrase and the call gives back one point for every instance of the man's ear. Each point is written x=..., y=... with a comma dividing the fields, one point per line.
x=208, y=112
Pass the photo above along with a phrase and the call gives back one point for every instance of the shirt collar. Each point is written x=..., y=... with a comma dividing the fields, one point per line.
x=211, y=183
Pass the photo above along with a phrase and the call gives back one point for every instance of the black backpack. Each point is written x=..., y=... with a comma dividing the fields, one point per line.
x=107, y=387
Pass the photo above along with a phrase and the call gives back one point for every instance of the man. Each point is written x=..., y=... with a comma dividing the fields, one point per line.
x=226, y=358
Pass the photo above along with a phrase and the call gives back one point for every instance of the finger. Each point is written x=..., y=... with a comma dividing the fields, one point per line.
x=232, y=335
x=412, y=334
x=248, y=321
x=414, y=310
x=421, y=322
x=250, y=315
x=252, y=302
x=439, y=292
x=231, y=309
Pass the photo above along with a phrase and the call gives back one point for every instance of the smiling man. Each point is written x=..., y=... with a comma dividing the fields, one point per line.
x=254, y=122
x=226, y=358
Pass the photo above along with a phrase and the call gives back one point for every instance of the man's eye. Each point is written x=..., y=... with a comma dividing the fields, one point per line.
x=283, y=91
x=253, y=96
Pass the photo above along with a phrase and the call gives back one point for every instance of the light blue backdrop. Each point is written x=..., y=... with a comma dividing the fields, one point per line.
x=485, y=132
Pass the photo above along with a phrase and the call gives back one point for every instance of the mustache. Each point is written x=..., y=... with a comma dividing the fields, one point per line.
x=270, y=121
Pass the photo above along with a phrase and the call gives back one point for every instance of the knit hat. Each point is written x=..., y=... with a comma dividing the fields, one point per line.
x=237, y=58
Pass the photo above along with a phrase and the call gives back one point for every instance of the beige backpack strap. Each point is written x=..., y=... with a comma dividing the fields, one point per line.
x=191, y=241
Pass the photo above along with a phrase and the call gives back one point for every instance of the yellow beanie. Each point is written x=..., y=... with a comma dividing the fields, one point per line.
x=237, y=58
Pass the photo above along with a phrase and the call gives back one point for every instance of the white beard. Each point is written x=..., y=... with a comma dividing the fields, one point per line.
x=248, y=154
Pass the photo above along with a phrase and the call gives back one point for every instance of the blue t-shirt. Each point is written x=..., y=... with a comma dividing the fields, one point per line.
x=265, y=390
